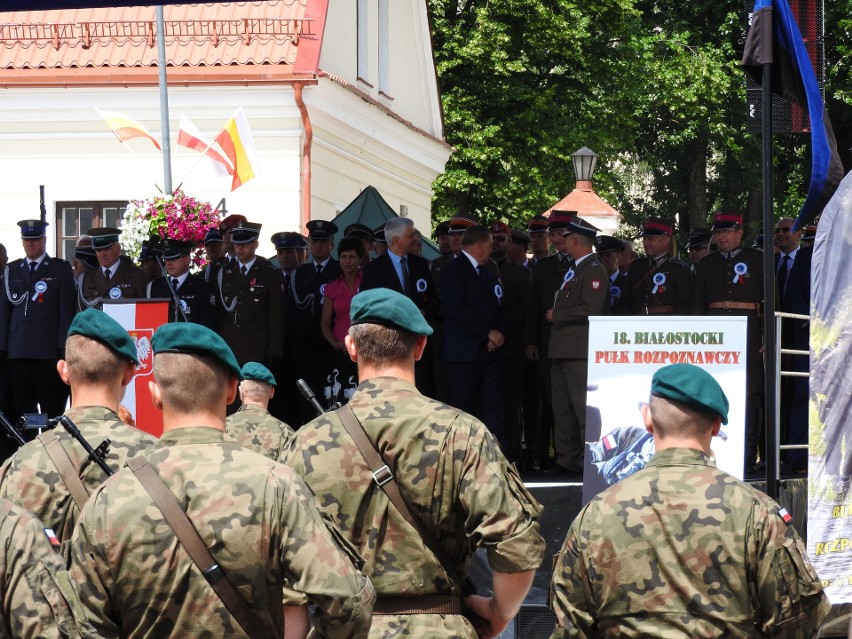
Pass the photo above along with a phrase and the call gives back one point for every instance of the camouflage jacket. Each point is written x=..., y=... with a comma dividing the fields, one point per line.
x=449, y=470
x=39, y=601
x=254, y=428
x=256, y=517
x=682, y=549
x=30, y=479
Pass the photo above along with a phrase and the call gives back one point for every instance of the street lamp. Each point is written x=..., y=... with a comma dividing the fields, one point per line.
x=584, y=166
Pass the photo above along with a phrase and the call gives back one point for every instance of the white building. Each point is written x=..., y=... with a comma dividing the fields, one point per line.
x=339, y=95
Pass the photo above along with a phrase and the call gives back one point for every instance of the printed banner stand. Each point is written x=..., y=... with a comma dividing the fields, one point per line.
x=141, y=318
x=624, y=353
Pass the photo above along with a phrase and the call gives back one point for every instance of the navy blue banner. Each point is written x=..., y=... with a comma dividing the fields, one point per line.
x=774, y=38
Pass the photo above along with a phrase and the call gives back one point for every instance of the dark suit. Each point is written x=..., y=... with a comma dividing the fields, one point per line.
x=254, y=325
x=617, y=302
x=196, y=298
x=35, y=314
x=472, y=309
x=312, y=353
x=546, y=278
x=583, y=295
x=128, y=282
x=420, y=289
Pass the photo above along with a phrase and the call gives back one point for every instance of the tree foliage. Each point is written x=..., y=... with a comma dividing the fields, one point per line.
x=655, y=88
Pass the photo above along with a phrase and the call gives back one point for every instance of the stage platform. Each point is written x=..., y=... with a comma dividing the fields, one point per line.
x=562, y=500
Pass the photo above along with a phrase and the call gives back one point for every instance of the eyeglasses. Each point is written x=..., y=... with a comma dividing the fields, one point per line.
x=782, y=229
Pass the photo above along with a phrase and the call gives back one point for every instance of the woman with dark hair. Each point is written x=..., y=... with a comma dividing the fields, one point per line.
x=342, y=377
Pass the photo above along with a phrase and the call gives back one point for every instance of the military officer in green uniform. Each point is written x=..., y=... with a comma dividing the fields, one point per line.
x=730, y=282
x=36, y=308
x=450, y=471
x=37, y=598
x=115, y=278
x=681, y=549
x=252, y=426
x=100, y=360
x=657, y=284
x=250, y=301
x=584, y=292
x=257, y=518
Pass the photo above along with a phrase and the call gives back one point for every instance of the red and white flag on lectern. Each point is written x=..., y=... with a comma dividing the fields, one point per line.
x=141, y=318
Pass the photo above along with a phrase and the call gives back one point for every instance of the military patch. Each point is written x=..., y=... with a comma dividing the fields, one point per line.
x=783, y=514
x=596, y=284
x=52, y=538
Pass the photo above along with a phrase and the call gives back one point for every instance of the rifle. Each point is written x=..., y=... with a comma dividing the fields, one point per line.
x=11, y=431
x=308, y=394
x=97, y=455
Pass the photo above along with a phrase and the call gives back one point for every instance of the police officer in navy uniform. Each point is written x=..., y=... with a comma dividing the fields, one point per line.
x=36, y=310
x=304, y=309
x=657, y=284
x=730, y=282
x=250, y=301
x=115, y=278
x=195, y=299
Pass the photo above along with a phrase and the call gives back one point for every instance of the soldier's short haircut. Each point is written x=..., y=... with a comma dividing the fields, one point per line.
x=189, y=382
x=672, y=417
x=255, y=391
x=396, y=227
x=91, y=363
x=475, y=234
x=380, y=346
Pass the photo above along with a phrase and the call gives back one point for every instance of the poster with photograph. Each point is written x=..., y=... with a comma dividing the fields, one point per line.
x=624, y=353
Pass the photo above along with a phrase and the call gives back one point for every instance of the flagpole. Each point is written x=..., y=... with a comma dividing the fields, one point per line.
x=770, y=355
x=164, y=100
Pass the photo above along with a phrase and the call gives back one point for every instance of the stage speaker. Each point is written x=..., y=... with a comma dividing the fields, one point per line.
x=787, y=117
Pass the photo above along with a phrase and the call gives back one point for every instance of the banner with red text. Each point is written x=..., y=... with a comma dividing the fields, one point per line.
x=141, y=318
x=624, y=353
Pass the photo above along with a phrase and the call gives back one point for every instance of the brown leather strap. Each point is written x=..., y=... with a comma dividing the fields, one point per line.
x=420, y=605
x=196, y=549
x=59, y=456
x=740, y=306
x=654, y=310
x=383, y=476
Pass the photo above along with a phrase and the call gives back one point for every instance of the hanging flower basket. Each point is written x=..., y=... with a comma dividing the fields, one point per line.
x=178, y=216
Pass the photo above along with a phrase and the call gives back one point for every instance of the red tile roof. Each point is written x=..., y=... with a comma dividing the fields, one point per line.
x=251, y=41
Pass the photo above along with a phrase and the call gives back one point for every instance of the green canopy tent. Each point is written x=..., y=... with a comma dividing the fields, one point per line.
x=371, y=210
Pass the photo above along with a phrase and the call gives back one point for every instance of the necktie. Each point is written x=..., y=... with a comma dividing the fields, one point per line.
x=319, y=269
x=32, y=267
x=243, y=270
x=479, y=271
x=286, y=282
x=174, y=283
x=403, y=262
x=107, y=274
x=783, y=271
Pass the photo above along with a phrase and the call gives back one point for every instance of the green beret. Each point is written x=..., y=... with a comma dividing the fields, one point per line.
x=258, y=373
x=692, y=386
x=194, y=339
x=100, y=327
x=389, y=308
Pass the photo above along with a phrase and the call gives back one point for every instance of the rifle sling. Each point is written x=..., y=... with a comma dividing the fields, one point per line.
x=383, y=476
x=59, y=456
x=189, y=538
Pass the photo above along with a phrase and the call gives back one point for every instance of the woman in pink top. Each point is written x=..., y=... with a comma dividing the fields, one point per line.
x=342, y=377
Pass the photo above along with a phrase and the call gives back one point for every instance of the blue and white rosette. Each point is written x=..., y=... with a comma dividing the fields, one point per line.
x=114, y=293
x=614, y=292
x=322, y=293
x=569, y=275
x=498, y=292
x=421, y=285
x=659, y=280
x=40, y=289
x=740, y=271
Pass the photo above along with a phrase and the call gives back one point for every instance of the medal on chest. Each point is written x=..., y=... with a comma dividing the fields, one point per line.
x=659, y=284
x=740, y=273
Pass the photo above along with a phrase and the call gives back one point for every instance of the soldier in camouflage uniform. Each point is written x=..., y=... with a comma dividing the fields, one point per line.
x=252, y=426
x=36, y=593
x=687, y=550
x=100, y=360
x=448, y=467
x=258, y=519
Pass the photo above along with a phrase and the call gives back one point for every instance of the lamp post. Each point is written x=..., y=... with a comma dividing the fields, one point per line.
x=584, y=166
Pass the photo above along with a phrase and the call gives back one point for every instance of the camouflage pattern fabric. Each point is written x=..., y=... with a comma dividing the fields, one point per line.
x=30, y=480
x=682, y=549
x=258, y=520
x=451, y=473
x=254, y=428
x=39, y=600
